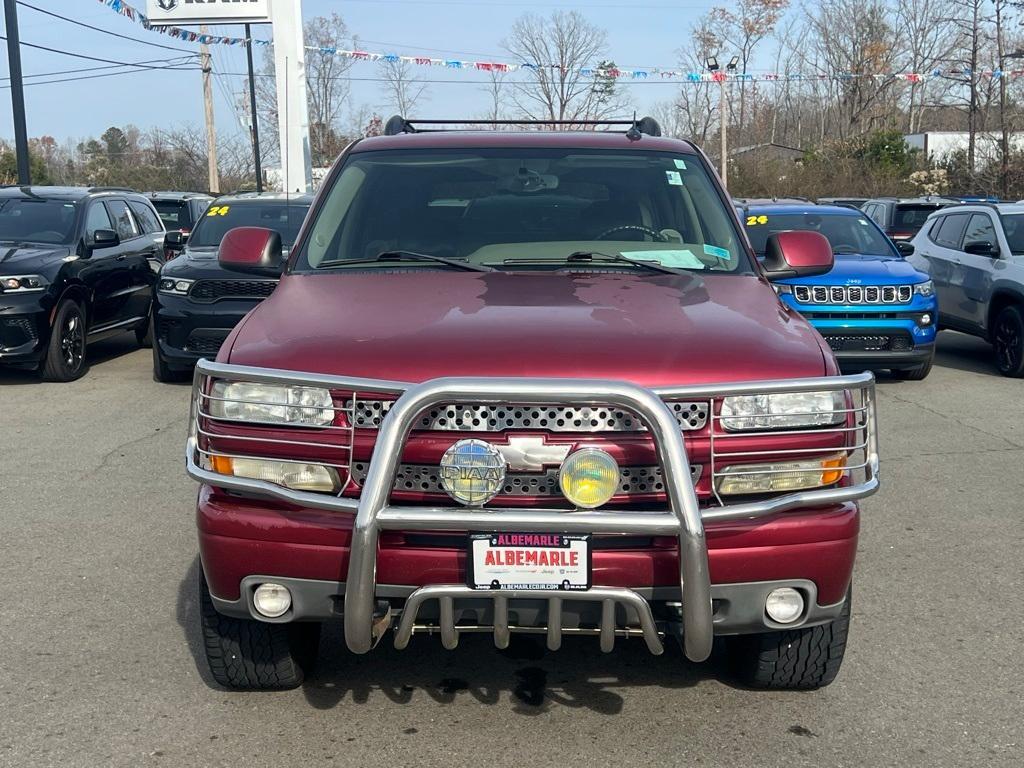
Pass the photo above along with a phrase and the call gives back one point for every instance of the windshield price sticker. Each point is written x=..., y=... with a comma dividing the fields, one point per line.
x=218, y=210
x=753, y=221
x=528, y=561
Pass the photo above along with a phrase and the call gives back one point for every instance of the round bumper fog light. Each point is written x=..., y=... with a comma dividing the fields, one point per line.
x=589, y=478
x=784, y=605
x=472, y=472
x=272, y=600
x=926, y=319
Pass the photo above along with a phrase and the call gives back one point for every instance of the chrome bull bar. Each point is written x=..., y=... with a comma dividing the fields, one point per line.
x=364, y=625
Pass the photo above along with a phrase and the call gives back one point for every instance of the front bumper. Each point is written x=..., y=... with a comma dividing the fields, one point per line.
x=24, y=327
x=187, y=331
x=366, y=612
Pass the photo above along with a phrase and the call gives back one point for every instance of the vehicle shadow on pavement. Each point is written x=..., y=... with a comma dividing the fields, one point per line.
x=97, y=354
x=525, y=675
x=965, y=353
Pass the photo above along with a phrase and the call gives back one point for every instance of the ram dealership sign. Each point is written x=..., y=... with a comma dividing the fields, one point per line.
x=163, y=12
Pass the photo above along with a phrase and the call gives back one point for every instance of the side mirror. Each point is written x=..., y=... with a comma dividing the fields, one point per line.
x=101, y=238
x=797, y=254
x=982, y=248
x=905, y=248
x=255, y=250
x=174, y=240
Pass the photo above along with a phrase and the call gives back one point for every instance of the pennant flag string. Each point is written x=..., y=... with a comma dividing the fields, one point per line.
x=604, y=73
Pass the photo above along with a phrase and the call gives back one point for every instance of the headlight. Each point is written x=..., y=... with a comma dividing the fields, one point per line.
x=175, y=286
x=270, y=404
x=23, y=283
x=927, y=288
x=782, y=476
x=291, y=474
x=788, y=410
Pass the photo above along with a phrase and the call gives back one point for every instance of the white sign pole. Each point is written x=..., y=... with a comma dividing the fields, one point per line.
x=292, y=108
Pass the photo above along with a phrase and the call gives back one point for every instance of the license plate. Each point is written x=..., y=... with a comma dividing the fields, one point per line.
x=528, y=561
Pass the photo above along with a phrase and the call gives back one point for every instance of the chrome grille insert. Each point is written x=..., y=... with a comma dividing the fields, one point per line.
x=368, y=414
x=424, y=478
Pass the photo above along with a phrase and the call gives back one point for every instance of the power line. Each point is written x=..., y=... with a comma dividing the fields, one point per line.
x=100, y=29
x=105, y=74
x=171, y=64
x=83, y=56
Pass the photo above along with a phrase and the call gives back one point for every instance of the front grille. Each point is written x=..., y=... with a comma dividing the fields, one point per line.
x=16, y=332
x=424, y=478
x=853, y=294
x=859, y=343
x=206, y=341
x=369, y=414
x=212, y=290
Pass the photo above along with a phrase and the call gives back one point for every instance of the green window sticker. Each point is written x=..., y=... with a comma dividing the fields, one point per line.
x=718, y=253
x=674, y=178
x=681, y=258
x=680, y=164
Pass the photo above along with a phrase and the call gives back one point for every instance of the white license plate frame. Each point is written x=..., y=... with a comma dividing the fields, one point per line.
x=529, y=561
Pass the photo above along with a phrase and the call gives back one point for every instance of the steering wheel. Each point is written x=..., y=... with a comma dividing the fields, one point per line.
x=655, y=234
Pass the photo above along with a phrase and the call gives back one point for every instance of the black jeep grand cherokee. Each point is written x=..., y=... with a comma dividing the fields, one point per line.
x=76, y=265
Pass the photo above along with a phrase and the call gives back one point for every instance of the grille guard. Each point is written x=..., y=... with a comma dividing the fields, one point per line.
x=684, y=519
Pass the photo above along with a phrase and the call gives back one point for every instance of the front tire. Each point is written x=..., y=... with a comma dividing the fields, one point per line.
x=918, y=373
x=250, y=655
x=162, y=372
x=1008, y=341
x=65, y=356
x=794, y=659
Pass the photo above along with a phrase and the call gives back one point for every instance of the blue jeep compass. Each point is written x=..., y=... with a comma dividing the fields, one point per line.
x=874, y=308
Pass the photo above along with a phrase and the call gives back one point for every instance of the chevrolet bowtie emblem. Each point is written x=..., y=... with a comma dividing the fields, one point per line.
x=532, y=454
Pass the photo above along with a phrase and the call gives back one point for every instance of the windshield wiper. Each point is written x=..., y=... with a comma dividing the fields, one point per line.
x=407, y=256
x=618, y=258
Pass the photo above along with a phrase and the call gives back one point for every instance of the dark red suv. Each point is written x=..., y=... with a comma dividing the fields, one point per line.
x=527, y=382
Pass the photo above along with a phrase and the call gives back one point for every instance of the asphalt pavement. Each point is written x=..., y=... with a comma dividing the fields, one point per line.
x=100, y=661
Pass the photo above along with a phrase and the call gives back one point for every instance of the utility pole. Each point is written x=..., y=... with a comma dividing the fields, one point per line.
x=17, y=92
x=252, y=113
x=724, y=117
x=206, y=62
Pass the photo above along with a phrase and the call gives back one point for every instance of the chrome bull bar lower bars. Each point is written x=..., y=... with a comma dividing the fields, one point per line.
x=682, y=520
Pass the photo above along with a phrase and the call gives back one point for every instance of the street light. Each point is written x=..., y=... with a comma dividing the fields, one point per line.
x=711, y=62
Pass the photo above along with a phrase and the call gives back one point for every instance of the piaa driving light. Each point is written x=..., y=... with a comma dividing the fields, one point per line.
x=589, y=477
x=270, y=404
x=296, y=475
x=472, y=472
x=787, y=410
x=780, y=477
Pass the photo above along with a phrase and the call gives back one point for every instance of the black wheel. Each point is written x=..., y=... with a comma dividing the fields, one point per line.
x=795, y=659
x=65, y=357
x=144, y=334
x=1008, y=341
x=162, y=372
x=250, y=655
x=917, y=373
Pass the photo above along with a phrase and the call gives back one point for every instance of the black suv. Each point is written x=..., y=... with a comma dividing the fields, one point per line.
x=179, y=212
x=901, y=217
x=197, y=302
x=76, y=265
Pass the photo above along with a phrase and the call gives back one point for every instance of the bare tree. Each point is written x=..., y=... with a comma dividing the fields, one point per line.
x=496, y=95
x=555, y=52
x=403, y=91
x=693, y=112
x=927, y=37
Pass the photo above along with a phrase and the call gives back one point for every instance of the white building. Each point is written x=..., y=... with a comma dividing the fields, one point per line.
x=937, y=146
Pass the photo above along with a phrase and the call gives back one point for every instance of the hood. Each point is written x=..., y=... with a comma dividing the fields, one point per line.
x=868, y=270
x=418, y=325
x=17, y=259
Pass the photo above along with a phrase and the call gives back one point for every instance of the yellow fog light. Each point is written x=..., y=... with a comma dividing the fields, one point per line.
x=781, y=477
x=298, y=476
x=589, y=477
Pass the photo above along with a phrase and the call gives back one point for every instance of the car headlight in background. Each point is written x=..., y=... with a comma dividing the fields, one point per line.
x=787, y=410
x=270, y=403
x=927, y=288
x=175, y=286
x=780, y=477
x=23, y=283
x=298, y=476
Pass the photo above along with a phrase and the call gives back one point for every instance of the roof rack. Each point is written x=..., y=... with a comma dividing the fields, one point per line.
x=111, y=189
x=396, y=125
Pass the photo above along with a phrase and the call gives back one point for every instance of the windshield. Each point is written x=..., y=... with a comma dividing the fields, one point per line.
x=284, y=217
x=37, y=221
x=525, y=208
x=846, y=233
x=912, y=217
x=173, y=214
x=1013, y=228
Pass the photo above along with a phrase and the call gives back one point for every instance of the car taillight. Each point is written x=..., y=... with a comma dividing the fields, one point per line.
x=901, y=235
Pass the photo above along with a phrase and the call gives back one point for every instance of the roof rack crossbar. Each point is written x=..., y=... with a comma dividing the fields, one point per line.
x=397, y=125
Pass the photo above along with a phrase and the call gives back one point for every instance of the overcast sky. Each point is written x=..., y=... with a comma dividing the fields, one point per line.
x=646, y=33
